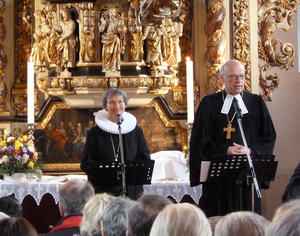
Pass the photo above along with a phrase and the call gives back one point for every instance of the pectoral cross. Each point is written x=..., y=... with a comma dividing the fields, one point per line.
x=228, y=130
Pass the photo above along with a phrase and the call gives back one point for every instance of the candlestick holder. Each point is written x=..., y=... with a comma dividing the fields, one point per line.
x=31, y=132
x=189, y=132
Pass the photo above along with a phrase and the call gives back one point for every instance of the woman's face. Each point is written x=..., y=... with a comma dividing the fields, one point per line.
x=115, y=106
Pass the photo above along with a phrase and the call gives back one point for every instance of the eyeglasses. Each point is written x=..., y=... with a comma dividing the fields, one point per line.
x=113, y=103
x=232, y=76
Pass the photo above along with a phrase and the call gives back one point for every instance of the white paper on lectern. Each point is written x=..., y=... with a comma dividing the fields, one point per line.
x=204, y=170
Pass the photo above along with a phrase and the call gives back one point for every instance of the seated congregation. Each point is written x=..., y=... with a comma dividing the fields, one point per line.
x=88, y=214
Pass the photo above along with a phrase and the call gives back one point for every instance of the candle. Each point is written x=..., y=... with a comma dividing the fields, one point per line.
x=30, y=92
x=189, y=90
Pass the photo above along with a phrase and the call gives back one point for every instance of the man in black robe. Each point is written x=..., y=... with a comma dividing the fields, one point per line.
x=102, y=143
x=216, y=132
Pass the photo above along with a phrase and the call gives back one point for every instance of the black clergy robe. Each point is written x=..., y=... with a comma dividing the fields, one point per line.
x=221, y=196
x=98, y=148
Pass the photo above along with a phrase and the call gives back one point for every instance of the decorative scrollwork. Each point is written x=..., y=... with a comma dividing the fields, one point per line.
x=241, y=44
x=215, y=46
x=273, y=15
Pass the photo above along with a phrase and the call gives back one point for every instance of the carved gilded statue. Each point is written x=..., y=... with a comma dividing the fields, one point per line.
x=136, y=51
x=87, y=23
x=153, y=37
x=67, y=40
x=113, y=39
x=170, y=44
x=39, y=52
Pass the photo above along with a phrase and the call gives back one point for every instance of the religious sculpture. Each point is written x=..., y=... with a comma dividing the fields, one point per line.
x=66, y=41
x=153, y=37
x=87, y=23
x=136, y=51
x=39, y=52
x=113, y=39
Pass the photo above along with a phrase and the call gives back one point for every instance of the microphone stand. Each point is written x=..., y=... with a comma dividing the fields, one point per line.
x=251, y=167
x=119, y=121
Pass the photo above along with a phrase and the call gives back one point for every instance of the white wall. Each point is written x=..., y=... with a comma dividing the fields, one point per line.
x=285, y=112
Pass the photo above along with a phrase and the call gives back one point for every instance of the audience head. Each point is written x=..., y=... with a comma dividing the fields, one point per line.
x=10, y=206
x=115, y=216
x=74, y=195
x=213, y=221
x=14, y=226
x=286, y=220
x=92, y=214
x=142, y=214
x=181, y=219
x=244, y=223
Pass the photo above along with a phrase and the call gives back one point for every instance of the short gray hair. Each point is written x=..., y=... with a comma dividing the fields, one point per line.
x=113, y=91
x=74, y=194
x=231, y=61
x=181, y=219
x=115, y=216
x=286, y=220
x=244, y=223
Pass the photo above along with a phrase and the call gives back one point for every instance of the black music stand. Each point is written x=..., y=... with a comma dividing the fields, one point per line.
x=237, y=167
x=136, y=172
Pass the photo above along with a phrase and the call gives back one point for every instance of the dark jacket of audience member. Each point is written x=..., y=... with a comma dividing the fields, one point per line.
x=292, y=190
x=16, y=226
x=73, y=195
x=11, y=206
x=143, y=213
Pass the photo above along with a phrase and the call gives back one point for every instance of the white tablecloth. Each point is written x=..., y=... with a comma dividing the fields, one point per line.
x=50, y=184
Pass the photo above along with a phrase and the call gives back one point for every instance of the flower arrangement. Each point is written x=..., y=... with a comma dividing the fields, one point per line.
x=17, y=154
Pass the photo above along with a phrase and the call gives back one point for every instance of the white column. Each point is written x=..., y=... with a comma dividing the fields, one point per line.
x=190, y=90
x=30, y=92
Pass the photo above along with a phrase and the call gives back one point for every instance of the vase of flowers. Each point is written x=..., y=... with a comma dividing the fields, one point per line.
x=18, y=155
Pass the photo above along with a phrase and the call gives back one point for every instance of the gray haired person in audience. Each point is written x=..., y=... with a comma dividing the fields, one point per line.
x=143, y=213
x=11, y=206
x=181, y=219
x=286, y=220
x=239, y=223
x=73, y=195
x=92, y=214
x=115, y=217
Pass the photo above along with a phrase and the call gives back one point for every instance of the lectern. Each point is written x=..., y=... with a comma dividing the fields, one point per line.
x=136, y=172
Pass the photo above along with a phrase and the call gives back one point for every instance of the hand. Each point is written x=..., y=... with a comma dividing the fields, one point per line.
x=237, y=149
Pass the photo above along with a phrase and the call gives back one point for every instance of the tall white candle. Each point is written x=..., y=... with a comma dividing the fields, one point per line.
x=30, y=92
x=190, y=90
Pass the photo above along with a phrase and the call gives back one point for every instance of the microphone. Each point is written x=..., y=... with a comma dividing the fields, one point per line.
x=237, y=108
x=119, y=119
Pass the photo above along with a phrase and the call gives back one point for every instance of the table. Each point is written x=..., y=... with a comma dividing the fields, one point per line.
x=40, y=199
x=51, y=185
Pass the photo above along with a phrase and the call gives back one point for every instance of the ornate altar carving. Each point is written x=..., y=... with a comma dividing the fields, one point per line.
x=241, y=31
x=3, y=61
x=273, y=52
x=215, y=46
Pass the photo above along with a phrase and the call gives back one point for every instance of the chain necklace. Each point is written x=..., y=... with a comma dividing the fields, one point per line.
x=229, y=128
x=116, y=154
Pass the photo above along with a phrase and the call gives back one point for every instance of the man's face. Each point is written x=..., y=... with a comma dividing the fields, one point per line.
x=115, y=106
x=234, y=78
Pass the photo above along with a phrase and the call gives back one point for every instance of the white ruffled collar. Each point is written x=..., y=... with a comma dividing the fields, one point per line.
x=107, y=125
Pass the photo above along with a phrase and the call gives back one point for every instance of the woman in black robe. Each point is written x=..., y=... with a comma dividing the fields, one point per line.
x=102, y=143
